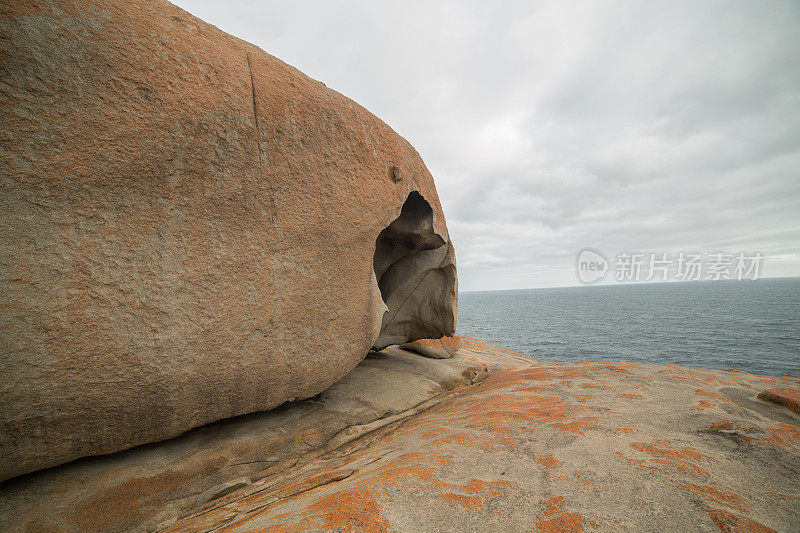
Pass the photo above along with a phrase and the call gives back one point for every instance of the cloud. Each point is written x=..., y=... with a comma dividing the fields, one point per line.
x=553, y=126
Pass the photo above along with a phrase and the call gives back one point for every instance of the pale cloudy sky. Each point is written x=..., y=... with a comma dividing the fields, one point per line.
x=651, y=126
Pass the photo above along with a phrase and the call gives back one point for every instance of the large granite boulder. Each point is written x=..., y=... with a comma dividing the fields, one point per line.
x=188, y=230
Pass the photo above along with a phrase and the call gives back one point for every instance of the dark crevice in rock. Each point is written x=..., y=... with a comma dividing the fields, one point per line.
x=416, y=273
x=255, y=106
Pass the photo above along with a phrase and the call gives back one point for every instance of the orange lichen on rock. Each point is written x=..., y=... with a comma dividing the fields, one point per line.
x=698, y=376
x=733, y=523
x=715, y=400
x=705, y=404
x=783, y=435
x=538, y=372
x=590, y=385
x=531, y=389
x=577, y=426
x=789, y=398
x=435, y=432
x=470, y=502
x=556, y=520
x=357, y=507
x=346, y=510
x=781, y=495
x=682, y=459
x=480, y=490
x=639, y=464
x=553, y=505
x=509, y=412
x=720, y=495
x=472, y=440
x=660, y=449
x=634, y=396
x=722, y=425
x=546, y=460
x=407, y=466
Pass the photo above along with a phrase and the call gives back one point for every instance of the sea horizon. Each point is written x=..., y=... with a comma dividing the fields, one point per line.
x=751, y=326
x=579, y=285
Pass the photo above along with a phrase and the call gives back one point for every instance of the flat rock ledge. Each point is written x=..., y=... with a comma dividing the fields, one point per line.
x=487, y=440
x=148, y=486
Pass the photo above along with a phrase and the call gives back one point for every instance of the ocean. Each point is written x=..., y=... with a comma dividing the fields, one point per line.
x=751, y=326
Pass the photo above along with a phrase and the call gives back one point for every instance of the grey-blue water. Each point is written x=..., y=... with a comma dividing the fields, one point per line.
x=752, y=326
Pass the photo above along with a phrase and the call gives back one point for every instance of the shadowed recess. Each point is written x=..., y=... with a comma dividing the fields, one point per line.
x=416, y=273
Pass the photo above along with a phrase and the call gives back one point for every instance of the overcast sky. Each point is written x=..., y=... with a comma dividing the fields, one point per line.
x=550, y=127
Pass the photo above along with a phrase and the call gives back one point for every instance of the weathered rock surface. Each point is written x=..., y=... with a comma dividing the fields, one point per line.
x=442, y=348
x=486, y=440
x=153, y=484
x=789, y=398
x=416, y=274
x=188, y=230
x=550, y=447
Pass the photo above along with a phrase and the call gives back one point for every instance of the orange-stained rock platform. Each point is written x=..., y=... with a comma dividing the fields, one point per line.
x=513, y=445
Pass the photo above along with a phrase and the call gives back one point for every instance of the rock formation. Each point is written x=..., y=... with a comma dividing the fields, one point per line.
x=147, y=486
x=190, y=230
x=416, y=274
x=442, y=348
x=550, y=447
x=486, y=440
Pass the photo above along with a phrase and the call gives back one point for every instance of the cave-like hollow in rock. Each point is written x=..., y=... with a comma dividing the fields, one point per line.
x=416, y=273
